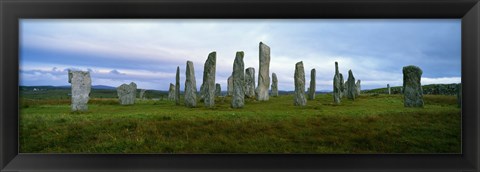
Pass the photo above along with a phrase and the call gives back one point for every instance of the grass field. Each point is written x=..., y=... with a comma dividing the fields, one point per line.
x=373, y=123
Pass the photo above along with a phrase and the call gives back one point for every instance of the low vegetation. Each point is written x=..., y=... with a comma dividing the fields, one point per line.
x=373, y=123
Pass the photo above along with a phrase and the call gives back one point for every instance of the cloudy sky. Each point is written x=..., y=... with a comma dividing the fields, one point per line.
x=148, y=51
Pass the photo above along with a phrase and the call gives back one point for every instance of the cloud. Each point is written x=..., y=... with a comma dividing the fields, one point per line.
x=442, y=80
x=116, y=72
x=148, y=51
x=100, y=76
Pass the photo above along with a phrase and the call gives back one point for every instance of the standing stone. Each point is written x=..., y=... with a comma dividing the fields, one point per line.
x=207, y=90
x=177, y=87
x=311, y=89
x=300, y=99
x=171, y=92
x=230, y=86
x=250, y=82
x=412, y=88
x=359, y=88
x=142, y=94
x=274, y=85
x=459, y=94
x=343, y=87
x=238, y=100
x=263, y=73
x=388, y=89
x=81, y=86
x=218, y=90
x=127, y=93
x=337, y=85
x=190, y=86
x=351, y=85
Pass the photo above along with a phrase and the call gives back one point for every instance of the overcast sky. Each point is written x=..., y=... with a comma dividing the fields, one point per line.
x=148, y=51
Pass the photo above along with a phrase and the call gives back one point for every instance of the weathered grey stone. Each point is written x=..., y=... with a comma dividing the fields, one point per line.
x=359, y=88
x=142, y=94
x=262, y=89
x=351, y=87
x=250, y=82
x=177, y=86
x=230, y=86
x=343, y=90
x=274, y=85
x=171, y=92
x=343, y=87
x=299, y=77
x=412, y=88
x=389, y=91
x=127, y=93
x=81, y=86
x=207, y=90
x=459, y=95
x=190, y=86
x=337, y=85
x=218, y=89
x=311, y=89
x=238, y=74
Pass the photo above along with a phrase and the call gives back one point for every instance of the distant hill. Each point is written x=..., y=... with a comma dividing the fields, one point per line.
x=43, y=87
x=64, y=92
x=436, y=89
x=102, y=91
x=282, y=92
x=103, y=87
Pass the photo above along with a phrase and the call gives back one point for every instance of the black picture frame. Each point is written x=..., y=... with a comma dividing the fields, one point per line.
x=13, y=10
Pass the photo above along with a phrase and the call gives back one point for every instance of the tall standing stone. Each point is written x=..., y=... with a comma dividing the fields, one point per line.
x=142, y=94
x=250, y=82
x=127, y=93
x=359, y=88
x=337, y=85
x=412, y=88
x=207, y=90
x=190, y=89
x=218, y=89
x=351, y=87
x=177, y=86
x=81, y=86
x=238, y=74
x=343, y=87
x=388, y=89
x=261, y=91
x=171, y=92
x=311, y=89
x=274, y=85
x=299, y=77
x=190, y=86
x=230, y=86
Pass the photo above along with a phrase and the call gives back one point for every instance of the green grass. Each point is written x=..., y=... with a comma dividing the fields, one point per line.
x=370, y=124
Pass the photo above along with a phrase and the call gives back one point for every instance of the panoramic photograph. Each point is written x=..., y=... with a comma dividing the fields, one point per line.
x=202, y=86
